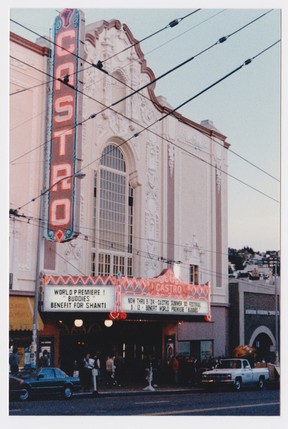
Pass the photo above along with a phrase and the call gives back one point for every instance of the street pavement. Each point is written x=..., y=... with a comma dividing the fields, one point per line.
x=104, y=390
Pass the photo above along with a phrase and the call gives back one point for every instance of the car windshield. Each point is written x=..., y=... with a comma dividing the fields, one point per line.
x=229, y=363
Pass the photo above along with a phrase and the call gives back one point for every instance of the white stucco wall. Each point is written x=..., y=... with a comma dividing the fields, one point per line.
x=155, y=159
x=27, y=137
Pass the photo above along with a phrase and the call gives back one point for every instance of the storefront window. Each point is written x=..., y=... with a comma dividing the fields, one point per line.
x=184, y=348
x=206, y=350
x=199, y=349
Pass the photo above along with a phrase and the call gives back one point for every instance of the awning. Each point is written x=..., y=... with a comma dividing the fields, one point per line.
x=21, y=310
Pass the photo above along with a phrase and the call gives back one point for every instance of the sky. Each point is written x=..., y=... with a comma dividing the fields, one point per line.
x=245, y=107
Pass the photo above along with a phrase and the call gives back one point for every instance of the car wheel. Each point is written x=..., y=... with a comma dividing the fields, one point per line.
x=261, y=383
x=68, y=392
x=25, y=394
x=238, y=384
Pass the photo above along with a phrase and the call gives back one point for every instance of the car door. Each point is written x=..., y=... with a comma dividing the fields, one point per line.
x=246, y=372
x=60, y=378
x=46, y=381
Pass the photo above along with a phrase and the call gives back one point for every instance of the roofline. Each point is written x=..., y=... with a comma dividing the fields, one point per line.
x=45, y=51
x=145, y=69
x=41, y=50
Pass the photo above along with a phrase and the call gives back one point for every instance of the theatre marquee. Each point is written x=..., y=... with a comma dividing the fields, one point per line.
x=164, y=294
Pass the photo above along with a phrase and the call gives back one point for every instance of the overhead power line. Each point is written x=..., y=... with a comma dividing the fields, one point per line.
x=108, y=107
x=35, y=222
x=130, y=60
x=219, y=41
x=99, y=65
x=171, y=24
x=247, y=62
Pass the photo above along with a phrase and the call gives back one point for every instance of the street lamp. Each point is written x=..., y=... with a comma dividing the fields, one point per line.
x=37, y=282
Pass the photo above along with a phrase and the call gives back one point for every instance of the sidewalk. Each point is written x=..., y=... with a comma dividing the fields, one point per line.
x=138, y=390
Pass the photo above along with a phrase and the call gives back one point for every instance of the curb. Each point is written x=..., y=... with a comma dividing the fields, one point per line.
x=162, y=391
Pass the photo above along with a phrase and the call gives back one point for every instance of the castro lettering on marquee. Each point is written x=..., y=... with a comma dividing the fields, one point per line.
x=65, y=136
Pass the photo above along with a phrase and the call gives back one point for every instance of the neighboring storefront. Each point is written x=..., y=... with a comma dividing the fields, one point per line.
x=21, y=310
x=254, y=316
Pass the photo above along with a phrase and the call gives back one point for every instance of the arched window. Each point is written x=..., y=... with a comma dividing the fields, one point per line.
x=113, y=216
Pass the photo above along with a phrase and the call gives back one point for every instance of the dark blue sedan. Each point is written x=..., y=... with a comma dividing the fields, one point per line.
x=43, y=381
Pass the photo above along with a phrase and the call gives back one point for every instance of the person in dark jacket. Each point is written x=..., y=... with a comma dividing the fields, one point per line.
x=14, y=361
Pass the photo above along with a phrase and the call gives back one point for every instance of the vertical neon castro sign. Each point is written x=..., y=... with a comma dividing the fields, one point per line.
x=65, y=136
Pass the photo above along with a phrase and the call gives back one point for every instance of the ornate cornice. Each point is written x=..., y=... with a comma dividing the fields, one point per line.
x=41, y=50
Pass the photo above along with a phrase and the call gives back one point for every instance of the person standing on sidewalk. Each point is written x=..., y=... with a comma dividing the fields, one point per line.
x=14, y=361
x=175, y=369
x=86, y=373
x=110, y=370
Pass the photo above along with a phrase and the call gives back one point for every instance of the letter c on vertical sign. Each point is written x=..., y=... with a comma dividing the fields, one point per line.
x=70, y=49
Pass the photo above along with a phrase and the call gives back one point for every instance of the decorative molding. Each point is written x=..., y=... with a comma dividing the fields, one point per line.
x=41, y=50
x=73, y=256
x=193, y=252
x=171, y=158
x=218, y=179
x=152, y=221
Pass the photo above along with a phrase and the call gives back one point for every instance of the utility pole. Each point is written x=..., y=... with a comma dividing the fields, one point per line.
x=38, y=274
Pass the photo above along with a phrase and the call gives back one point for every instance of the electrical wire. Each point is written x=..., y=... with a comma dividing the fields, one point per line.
x=217, y=142
x=221, y=40
x=28, y=89
x=89, y=234
x=177, y=37
x=99, y=67
x=145, y=255
x=247, y=62
x=130, y=60
x=171, y=24
x=26, y=122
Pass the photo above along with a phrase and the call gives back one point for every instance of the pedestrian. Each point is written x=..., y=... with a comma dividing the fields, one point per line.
x=175, y=369
x=97, y=365
x=14, y=361
x=119, y=370
x=44, y=360
x=194, y=371
x=110, y=370
x=86, y=373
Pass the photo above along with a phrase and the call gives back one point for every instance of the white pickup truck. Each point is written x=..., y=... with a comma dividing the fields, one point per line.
x=235, y=372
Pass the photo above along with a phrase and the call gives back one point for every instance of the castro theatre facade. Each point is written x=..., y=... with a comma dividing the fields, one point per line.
x=132, y=259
